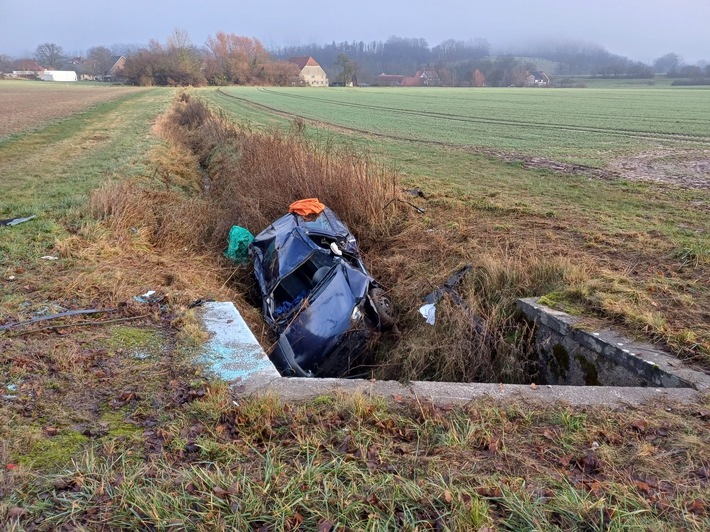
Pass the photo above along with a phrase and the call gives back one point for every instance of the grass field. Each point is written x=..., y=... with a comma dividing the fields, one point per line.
x=591, y=127
x=32, y=104
x=106, y=423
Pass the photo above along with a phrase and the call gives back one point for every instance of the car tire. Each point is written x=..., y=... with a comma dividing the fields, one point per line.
x=383, y=307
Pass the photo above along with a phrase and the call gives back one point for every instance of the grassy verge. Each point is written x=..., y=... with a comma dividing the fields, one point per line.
x=355, y=463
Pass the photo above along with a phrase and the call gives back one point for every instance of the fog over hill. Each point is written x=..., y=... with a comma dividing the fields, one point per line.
x=639, y=29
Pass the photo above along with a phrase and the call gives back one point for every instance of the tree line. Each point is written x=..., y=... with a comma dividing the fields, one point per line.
x=464, y=63
x=228, y=59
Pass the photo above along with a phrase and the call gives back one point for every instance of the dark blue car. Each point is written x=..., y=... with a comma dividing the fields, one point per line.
x=318, y=298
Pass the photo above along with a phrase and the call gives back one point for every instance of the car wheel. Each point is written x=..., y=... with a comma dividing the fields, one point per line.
x=383, y=306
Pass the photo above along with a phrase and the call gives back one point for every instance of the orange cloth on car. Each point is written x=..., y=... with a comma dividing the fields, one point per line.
x=305, y=207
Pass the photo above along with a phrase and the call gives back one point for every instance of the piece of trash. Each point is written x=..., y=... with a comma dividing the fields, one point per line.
x=55, y=316
x=14, y=221
x=148, y=297
x=428, y=311
x=49, y=257
x=415, y=192
x=11, y=387
x=238, y=244
x=11, y=278
x=420, y=210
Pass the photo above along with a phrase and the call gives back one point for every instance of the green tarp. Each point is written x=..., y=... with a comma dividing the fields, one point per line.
x=239, y=240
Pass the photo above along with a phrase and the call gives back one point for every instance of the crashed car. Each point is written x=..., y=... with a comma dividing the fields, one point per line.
x=317, y=296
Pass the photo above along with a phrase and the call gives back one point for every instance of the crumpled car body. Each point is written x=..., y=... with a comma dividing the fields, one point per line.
x=317, y=296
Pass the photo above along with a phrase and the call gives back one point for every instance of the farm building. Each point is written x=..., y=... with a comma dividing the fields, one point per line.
x=389, y=80
x=537, y=79
x=59, y=75
x=311, y=72
x=423, y=78
x=91, y=70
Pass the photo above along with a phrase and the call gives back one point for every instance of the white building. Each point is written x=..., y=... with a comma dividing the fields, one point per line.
x=59, y=75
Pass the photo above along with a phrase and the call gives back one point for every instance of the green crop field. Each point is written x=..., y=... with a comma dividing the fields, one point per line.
x=592, y=126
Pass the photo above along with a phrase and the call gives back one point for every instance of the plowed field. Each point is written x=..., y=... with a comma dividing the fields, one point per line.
x=30, y=104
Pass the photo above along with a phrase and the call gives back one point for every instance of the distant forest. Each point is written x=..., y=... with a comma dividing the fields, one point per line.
x=229, y=59
x=456, y=62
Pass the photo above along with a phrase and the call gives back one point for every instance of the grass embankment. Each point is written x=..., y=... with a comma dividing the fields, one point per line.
x=113, y=427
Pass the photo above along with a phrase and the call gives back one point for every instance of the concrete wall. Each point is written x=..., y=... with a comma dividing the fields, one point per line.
x=570, y=355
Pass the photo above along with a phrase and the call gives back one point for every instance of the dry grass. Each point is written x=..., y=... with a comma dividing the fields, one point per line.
x=251, y=178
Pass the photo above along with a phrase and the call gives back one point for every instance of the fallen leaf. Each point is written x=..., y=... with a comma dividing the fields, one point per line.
x=696, y=507
x=490, y=491
x=16, y=511
x=397, y=399
x=447, y=496
x=372, y=500
x=325, y=526
x=533, y=386
x=51, y=431
x=590, y=464
x=547, y=433
x=221, y=493
x=565, y=460
x=642, y=486
x=640, y=425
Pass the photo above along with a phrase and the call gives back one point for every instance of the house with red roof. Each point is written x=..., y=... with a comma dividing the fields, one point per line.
x=311, y=73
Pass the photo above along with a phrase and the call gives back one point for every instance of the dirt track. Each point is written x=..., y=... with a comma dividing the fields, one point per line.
x=29, y=104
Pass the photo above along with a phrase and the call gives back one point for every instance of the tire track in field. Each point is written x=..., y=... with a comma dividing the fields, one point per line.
x=337, y=127
x=527, y=161
x=506, y=122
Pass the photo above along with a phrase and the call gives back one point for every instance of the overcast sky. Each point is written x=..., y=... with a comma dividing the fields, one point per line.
x=639, y=29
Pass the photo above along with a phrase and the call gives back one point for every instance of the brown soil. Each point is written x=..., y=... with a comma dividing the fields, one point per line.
x=684, y=168
x=25, y=105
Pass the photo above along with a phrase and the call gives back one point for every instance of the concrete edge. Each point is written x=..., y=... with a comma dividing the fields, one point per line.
x=619, y=349
x=445, y=393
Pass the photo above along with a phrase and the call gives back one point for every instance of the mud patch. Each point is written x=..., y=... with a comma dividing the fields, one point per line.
x=683, y=168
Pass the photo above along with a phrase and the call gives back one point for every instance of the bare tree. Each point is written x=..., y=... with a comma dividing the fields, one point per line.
x=101, y=60
x=667, y=63
x=346, y=76
x=5, y=63
x=50, y=55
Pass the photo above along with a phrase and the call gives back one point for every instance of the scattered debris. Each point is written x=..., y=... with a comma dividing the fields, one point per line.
x=55, y=316
x=428, y=311
x=15, y=221
x=415, y=192
x=49, y=257
x=420, y=210
x=149, y=297
x=80, y=324
x=449, y=287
